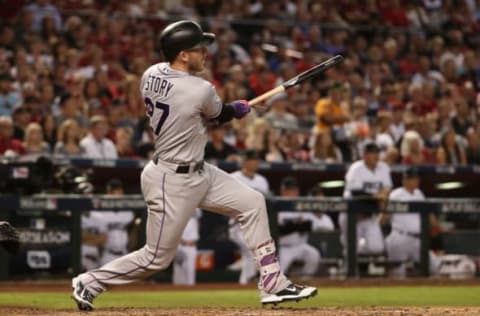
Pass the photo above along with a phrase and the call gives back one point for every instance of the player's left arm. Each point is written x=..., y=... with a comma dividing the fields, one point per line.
x=213, y=109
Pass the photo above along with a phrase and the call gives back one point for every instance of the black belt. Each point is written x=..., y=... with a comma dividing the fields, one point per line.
x=402, y=232
x=184, y=168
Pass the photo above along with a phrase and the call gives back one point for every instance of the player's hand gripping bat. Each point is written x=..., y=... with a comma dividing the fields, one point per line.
x=308, y=74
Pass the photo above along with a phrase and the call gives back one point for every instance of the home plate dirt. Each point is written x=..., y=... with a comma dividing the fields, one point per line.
x=347, y=311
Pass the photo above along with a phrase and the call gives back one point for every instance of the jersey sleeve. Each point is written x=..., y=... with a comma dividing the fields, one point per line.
x=353, y=181
x=212, y=105
x=387, y=181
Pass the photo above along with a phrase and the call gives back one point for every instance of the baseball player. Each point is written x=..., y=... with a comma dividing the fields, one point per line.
x=249, y=176
x=368, y=177
x=94, y=236
x=177, y=180
x=403, y=243
x=116, y=224
x=295, y=228
x=184, y=264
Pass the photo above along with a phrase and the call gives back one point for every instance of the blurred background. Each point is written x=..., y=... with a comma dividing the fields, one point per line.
x=70, y=70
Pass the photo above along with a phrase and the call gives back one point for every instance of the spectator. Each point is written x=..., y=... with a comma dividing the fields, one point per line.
x=8, y=97
x=70, y=108
x=33, y=143
x=96, y=145
x=450, y=152
x=49, y=130
x=41, y=9
x=9, y=145
x=92, y=97
x=413, y=151
x=384, y=139
x=123, y=137
x=68, y=140
x=217, y=148
x=461, y=122
x=433, y=74
x=329, y=111
x=324, y=150
x=261, y=79
x=397, y=126
x=277, y=116
x=235, y=87
x=427, y=74
x=21, y=118
x=473, y=147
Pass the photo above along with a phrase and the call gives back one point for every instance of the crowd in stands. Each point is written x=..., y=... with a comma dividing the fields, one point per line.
x=70, y=74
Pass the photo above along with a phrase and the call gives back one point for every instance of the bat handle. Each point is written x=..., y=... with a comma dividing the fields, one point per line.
x=266, y=95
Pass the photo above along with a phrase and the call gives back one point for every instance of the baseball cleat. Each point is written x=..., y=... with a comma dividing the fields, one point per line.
x=293, y=292
x=83, y=297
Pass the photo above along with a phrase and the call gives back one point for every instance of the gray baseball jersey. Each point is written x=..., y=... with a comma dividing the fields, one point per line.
x=174, y=100
x=179, y=105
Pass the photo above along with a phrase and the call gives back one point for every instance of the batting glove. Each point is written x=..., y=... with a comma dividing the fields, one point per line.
x=241, y=108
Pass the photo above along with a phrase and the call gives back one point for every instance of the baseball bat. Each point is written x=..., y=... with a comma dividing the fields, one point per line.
x=298, y=79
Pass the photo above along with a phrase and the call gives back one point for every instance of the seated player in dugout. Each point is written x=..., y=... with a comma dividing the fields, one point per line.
x=403, y=242
x=122, y=232
x=178, y=180
x=295, y=228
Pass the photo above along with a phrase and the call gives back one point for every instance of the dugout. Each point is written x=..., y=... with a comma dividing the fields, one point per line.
x=51, y=222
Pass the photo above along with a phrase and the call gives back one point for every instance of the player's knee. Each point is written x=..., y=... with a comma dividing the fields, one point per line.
x=156, y=260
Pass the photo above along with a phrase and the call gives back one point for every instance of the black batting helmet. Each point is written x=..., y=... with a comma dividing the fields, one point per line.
x=183, y=35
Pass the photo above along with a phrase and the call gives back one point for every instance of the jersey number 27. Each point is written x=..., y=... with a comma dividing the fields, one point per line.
x=158, y=105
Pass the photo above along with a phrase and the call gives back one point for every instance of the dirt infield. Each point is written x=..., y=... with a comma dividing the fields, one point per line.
x=343, y=311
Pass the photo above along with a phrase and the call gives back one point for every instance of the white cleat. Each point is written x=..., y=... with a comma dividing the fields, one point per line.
x=83, y=297
x=293, y=292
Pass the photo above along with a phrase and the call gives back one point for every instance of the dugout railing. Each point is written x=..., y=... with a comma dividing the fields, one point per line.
x=72, y=206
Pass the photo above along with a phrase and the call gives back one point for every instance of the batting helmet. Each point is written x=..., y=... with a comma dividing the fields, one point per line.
x=183, y=35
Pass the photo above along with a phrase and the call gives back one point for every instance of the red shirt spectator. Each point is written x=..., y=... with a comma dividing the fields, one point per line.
x=393, y=13
x=261, y=79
